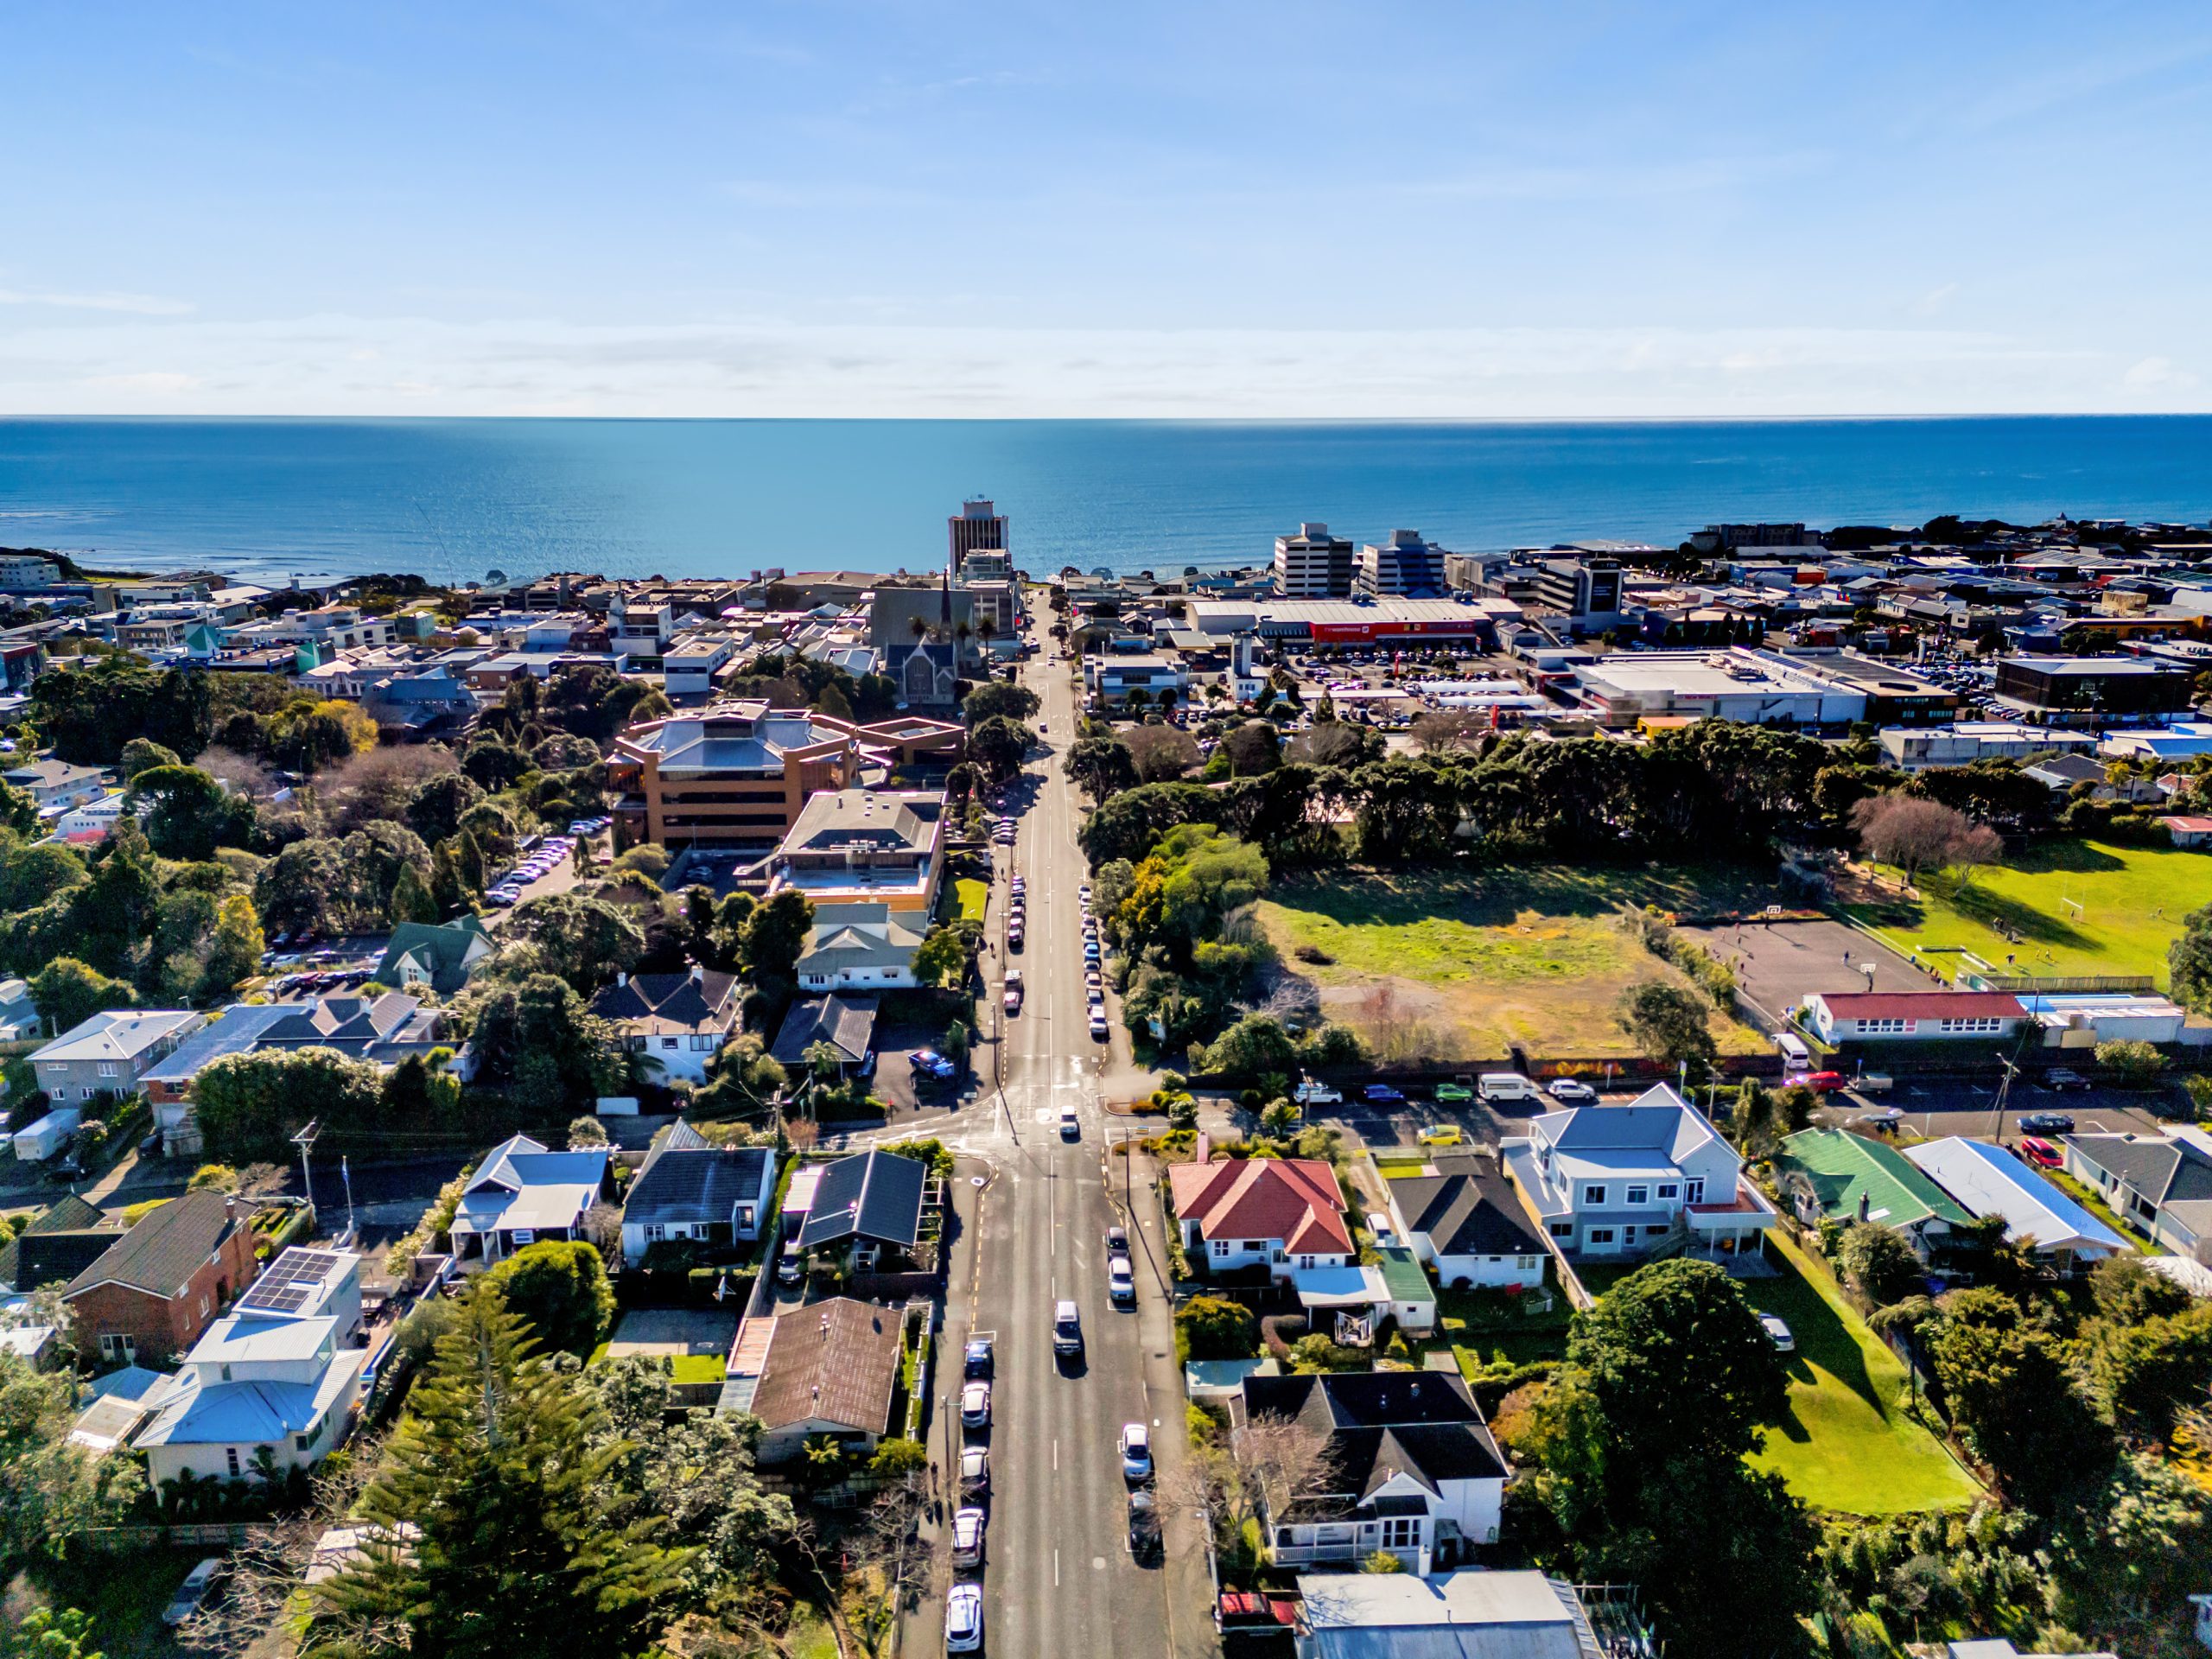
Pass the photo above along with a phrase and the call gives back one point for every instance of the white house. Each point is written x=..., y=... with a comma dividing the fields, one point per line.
x=1610, y=1181
x=1466, y=1222
x=1415, y=1471
x=1284, y=1214
x=522, y=1194
x=280, y=1371
x=859, y=947
x=1913, y=1016
x=679, y=1021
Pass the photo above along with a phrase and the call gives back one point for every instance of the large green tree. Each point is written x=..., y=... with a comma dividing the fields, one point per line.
x=2008, y=1386
x=493, y=1489
x=189, y=814
x=67, y=993
x=775, y=935
x=249, y=1106
x=559, y=1289
x=584, y=940
x=1667, y=1021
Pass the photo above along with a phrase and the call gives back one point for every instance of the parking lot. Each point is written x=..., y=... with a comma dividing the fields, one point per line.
x=1937, y=1107
x=1779, y=963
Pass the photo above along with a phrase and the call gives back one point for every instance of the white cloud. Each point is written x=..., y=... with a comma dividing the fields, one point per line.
x=2155, y=372
x=144, y=305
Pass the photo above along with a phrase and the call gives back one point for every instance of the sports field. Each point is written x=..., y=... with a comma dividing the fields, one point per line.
x=2064, y=907
x=1463, y=966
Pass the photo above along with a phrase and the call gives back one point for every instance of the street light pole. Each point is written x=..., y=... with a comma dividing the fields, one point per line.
x=305, y=1140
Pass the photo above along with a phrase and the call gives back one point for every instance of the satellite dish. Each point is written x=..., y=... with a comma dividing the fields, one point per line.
x=495, y=574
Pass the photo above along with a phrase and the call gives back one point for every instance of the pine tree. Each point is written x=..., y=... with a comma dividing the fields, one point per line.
x=487, y=1495
x=411, y=898
x=447, y=891
x=469, y=856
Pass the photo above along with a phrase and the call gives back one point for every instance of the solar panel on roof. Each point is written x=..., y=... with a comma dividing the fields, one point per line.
x=289, y=1283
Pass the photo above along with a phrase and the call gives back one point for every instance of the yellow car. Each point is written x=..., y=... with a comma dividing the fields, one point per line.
x=1441, y=1135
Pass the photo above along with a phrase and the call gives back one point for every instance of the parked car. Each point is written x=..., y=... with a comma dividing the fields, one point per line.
x=193, y=1591
x=1441, y=1134
x=1453, y=1094
x=932, y=1063
x=1778, y=1332
x=1824, y=1082
x=1572, y=1089
x=964, y=1618
x=1310, y=1093
x=974, y=1472
x=1881, y=1117
x=979, y=1360
x=1144, y=1525
x=1098, y=1024
x=2060, y=1079
x=1874, y=1083
x=2041, y=1153
x=1121, y=1282
x=1495, y=1086
x=968, y=1539
x=790, y=1266
x=976, y=1405
x=1136, y=1453
x=1381, y=1094
x=1118, y=1240
x=2046, y=1122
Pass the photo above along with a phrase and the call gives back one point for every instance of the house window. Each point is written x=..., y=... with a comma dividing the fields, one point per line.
x=1402, y=1532
x=1670, y=1191
x=1304, y=1260
x=1594, y=1195
x=1221, y=1247
x=1696, y=1193
x=655, y=1232
x=1655, y=1228
x=88, y=1092
x=226, y=1373
x=702, y=1044
x=1562, y=1229
x=744, y=1218
x=667, y=1042
x=115, y=1347
x=1601, y=1236
x=1528, y=1263
x=108, y=1068
x=1639, y=1195
x=230, y=1456
x=1255, y=1245
x=203, y=1307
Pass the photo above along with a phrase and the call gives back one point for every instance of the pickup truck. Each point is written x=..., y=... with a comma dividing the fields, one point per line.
x=1310, y=1093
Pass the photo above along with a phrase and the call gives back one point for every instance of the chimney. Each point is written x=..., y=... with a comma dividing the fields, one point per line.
x=230, y=1206
x=621, y=980
x=698, y=974
x=1865, y=1204
x=1205, y=1150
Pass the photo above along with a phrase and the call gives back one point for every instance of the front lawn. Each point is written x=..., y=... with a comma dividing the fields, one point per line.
x=2132, y=899
x=972, y=894
x=697, y=1368
x=1846, y=1444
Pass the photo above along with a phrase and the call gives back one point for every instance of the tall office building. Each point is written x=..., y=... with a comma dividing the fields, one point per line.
x=1312, y=564
x=1404, y=564
x=974, y=528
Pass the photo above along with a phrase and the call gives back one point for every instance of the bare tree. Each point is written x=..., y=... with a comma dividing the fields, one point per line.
x=240, y=773
x=1450, y=728
x=377, y=784
x=1162, y=753
x=1275, y=1468
x=888, y=1546
x=1394, y=1029
x=1917, y=834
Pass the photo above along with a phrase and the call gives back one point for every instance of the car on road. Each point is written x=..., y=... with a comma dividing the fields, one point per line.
x=1144, y=1525
x=1121, y=1282
x=1067, y=1331
x=1083, y=893
x=2060, y=1079
x=1873, y=1082
x=1441, y=1134
x=1778, y=1332
x=1572, y=1089
x=1136, y=1453
x=1013, y=999
x=1879, y=1117
x=1381, y=1094
x=1118, y=1240
x=968, y=1539
x=1070, y=1125
x=964, y=1618
x=979, y=1359
x=1013, y=936
x=932, y=1063
x=1824, y=1083
x=2041, y=1152
x=974, y=1472
x=1453, y=1094
x=1098, y=1024
x=1310, y=1093
x=2046, y=1122
x=193, y=1591
x=976, y=1405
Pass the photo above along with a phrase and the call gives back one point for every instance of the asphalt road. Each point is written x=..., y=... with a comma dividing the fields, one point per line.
x=1058, y=1578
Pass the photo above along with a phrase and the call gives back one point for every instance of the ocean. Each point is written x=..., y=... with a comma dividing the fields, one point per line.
x=456, y=499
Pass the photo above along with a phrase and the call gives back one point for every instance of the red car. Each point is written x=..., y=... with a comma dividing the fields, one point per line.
x=1824, y=1081
x=2040, y=1153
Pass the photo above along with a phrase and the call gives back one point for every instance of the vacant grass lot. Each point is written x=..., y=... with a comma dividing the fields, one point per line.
x=1846, y=1444
x=1468, y=965
x=2132, y=901
x=972, y=894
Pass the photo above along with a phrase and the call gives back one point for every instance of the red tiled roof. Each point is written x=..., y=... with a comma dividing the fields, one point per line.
x=1294, y=1199
x=1922, y=1005
x=2190, y=826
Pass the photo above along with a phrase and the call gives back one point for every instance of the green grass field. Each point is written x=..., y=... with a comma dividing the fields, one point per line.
x=972, y=893
x=1484, y=960
x=2133, y=900
x=1846, y=1444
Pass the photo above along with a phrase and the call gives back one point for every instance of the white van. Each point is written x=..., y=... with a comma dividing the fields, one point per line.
x=1506, y=1085
x=1795, y=1056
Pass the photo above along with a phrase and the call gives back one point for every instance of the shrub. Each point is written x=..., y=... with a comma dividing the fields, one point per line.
x=899, y=1457
x=1209, y=1327
x=2130, y=1061
x=212, y=1177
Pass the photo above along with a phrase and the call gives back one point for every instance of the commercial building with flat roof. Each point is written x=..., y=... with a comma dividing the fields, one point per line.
x=1756, y=688
x=2092, y=688
x=1357, y=622
x=738, y=774
x=853, y=846
x=1312, y=564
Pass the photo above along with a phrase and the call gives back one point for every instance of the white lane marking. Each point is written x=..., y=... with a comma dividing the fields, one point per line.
x=1056, y=1569
x=1056, y=1457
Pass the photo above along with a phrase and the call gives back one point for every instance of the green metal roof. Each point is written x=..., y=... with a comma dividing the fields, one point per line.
x=1404, y=1276
x=1842, y=1165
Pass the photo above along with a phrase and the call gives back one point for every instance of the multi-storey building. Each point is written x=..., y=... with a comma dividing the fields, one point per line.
x=1312, y=564
x=1405, y=564
x=735, y=775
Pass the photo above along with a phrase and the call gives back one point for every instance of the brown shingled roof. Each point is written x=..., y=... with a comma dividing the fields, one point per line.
x=837, y=1361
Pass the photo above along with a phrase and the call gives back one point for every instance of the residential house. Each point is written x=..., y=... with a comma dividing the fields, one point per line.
x=1988, y=1181
x=861, y=946
x=441, y=955
x=2188, y=829
x=58, y=784
x=1473, y=1613
x=523, y=1194
x=1465, y=1220
x=60, y=1242
x=738, y=774
x=831, y=1368
x=2160, y=1183
x=109, y=1053
x=121, y=1403
x=871, y=1201
x=1913, y=1016
x=273, y=1382
x=1413, y=1470
x=383, y=1030
x=846, y=1023
x=863, y=846
x=1630, y=1181
x=1835, y=1175
x=19, y=1014
x=716, y=1195
x=1283, y=1214
x=150, y=1294
x=676, y=1022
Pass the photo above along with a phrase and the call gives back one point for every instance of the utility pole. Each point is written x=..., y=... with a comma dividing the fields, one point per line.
x=305, y=1140
x=2004, y=1089
x=346, y=1174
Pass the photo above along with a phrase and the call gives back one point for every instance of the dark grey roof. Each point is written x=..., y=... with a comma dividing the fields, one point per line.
x=2163, y=1171
x=38, y=1259
x=687, y=1184
x=1466, y=1209
x=679, y=999
x=846, y=1023
x=1424, y=1423
x=167, y=1244
x=872, y=1194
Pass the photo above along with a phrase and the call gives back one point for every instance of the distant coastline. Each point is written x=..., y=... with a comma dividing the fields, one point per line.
x=453, y=499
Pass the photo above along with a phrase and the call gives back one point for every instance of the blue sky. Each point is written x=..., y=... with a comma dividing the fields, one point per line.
x=1442, y=210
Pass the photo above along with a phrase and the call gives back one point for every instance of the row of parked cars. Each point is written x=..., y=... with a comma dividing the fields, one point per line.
x=1094, y=978
x=543, y=860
